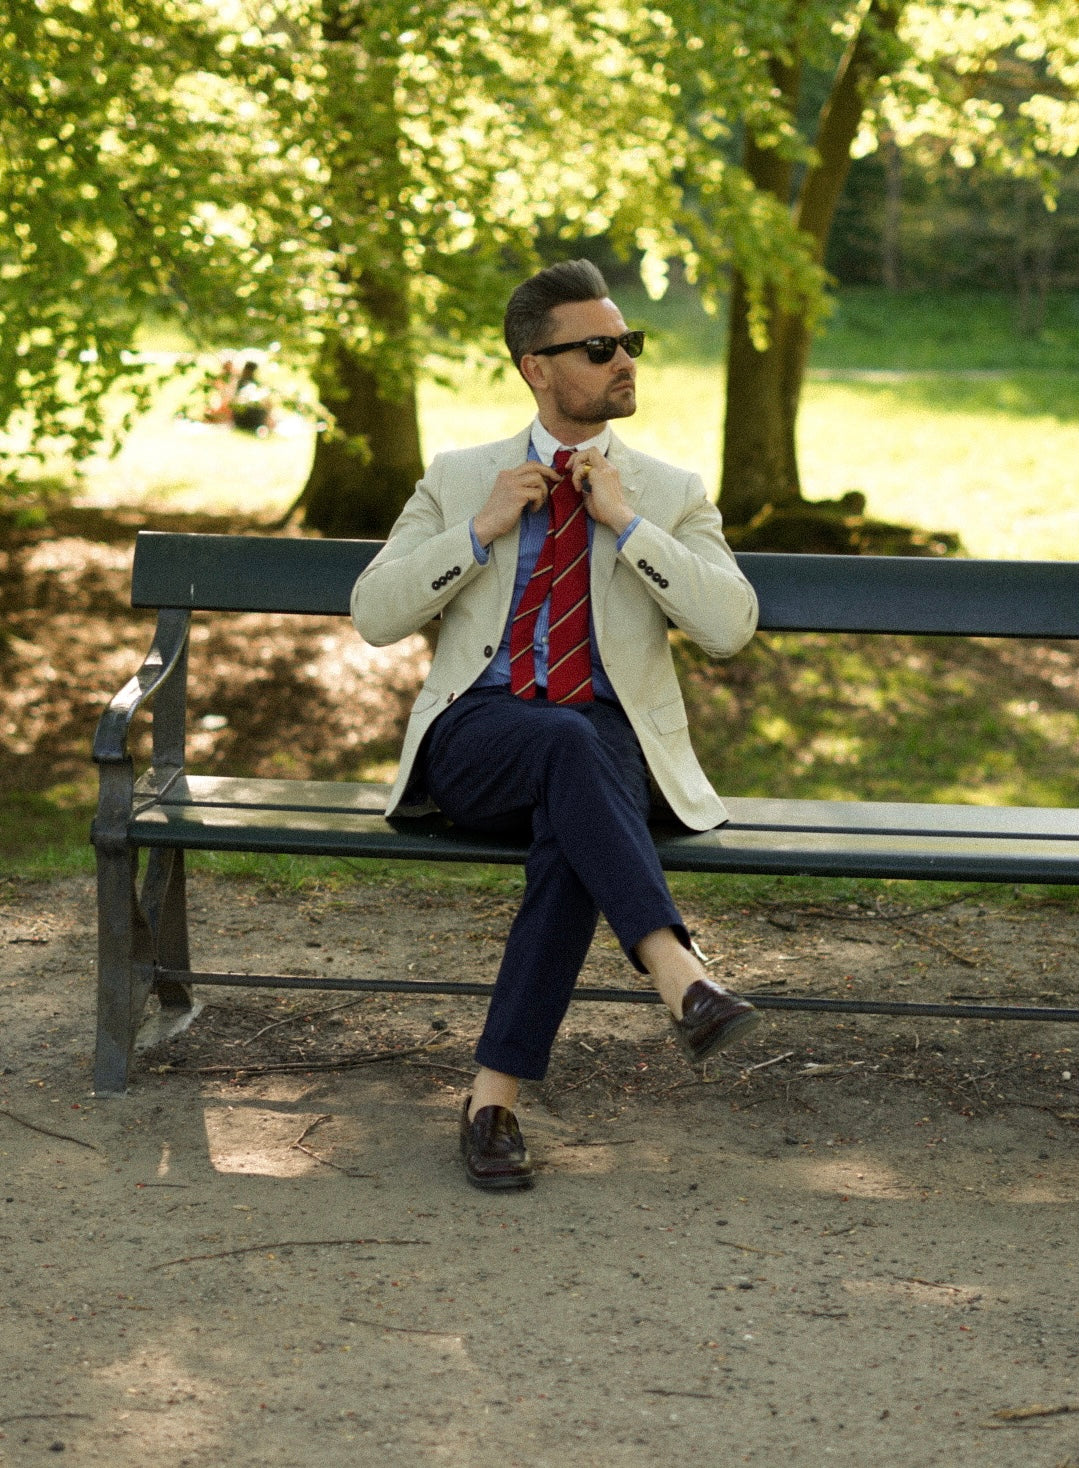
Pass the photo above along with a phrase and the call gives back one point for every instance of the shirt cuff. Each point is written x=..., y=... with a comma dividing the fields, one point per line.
x=630, y=528
x=482, y=555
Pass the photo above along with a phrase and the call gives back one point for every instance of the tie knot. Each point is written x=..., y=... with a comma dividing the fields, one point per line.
x=562, y=458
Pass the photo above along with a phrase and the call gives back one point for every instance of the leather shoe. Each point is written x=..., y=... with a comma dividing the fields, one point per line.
x=711, y=1019
x=493, y=1149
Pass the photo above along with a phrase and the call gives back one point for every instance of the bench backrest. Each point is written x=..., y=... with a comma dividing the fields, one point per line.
x=252, y=573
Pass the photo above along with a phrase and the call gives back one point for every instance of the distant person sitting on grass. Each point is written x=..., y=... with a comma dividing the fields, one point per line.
x=252, y=405
x=220, y=392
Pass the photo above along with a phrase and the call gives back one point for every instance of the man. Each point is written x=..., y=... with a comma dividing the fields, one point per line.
x=555, y=560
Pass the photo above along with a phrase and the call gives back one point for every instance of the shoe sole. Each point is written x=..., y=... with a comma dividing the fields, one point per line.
x=499, y=1184
x=735, y=1029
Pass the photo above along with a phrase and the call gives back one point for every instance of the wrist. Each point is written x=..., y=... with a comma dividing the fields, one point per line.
x=621, y=519
x=481, y=529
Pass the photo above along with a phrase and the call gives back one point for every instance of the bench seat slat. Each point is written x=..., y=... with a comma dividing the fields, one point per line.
x=852, y=852
x=748, y=813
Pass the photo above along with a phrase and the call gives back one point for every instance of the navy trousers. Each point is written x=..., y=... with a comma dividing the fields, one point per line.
x=574, y=775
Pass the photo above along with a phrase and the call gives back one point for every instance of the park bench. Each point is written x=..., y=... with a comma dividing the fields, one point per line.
x=143, y=941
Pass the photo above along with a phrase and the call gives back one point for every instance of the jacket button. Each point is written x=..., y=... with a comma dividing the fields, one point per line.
x=450, y=697
x=663, y=583
x=435, y=585
x=457, y=570
x=642, y=564
x=488, y=651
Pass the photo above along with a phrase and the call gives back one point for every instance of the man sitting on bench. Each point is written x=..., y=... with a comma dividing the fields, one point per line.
x=555, y=560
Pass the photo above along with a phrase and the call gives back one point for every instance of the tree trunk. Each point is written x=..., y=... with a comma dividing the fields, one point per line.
x=890, y=267
x=367, y=466
x=764, y=387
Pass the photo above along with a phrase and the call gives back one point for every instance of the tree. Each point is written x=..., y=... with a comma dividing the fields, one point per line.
x=909, y=70
x=451, y=136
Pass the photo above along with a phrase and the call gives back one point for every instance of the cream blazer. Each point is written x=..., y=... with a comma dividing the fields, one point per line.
x=675, y=566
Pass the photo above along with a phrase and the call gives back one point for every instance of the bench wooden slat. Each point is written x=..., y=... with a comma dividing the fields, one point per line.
x=748, y=813
x=892, y=594
x=850, y=852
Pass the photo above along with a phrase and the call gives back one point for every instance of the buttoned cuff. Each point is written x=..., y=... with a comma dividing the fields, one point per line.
x=630, y=528
x=483, y=555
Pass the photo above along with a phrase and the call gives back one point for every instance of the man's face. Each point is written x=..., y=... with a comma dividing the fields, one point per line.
x=582, y=391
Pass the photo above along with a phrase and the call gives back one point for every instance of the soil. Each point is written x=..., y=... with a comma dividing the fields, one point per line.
x=847, y=1241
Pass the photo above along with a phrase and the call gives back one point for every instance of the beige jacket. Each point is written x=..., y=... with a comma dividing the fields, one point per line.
x=674, y=565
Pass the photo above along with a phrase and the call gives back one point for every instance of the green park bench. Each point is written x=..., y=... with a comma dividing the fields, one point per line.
x=142, y=926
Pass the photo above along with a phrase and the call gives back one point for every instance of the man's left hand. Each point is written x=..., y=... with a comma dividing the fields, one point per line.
x=600, y=485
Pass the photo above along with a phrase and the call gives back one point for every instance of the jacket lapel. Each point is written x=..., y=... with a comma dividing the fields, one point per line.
x=506, y=454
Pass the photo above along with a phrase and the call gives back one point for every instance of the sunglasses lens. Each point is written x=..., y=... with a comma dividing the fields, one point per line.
x=601, y=348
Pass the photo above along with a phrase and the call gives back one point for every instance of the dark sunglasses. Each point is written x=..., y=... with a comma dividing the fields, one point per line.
x=599, y=348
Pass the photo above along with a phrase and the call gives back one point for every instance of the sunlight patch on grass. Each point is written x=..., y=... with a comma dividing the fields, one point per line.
x=1005, y=480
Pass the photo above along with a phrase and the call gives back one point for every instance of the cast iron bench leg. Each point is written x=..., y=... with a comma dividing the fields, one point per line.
x=164, y=900
x=125, y=967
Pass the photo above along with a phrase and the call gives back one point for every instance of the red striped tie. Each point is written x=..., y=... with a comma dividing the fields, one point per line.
x=562, y=572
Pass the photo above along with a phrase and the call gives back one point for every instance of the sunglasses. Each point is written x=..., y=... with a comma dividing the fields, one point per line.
x=599, y=348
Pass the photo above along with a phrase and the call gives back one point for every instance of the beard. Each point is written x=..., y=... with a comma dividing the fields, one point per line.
x=617, y=400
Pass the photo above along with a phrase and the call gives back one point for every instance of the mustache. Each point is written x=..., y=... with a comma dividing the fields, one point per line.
x=625, y=380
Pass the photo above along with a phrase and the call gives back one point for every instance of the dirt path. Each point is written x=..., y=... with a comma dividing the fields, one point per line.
x=850, y=1242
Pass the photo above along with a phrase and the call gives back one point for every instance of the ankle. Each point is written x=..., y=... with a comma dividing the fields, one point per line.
x=492, y=1088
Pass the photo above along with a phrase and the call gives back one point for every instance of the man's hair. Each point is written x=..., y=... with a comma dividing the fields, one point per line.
x=527, y=323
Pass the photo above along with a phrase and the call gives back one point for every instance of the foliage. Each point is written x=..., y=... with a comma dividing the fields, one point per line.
x=127, y=175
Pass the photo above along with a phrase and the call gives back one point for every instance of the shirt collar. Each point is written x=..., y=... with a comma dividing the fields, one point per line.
x=546, y=445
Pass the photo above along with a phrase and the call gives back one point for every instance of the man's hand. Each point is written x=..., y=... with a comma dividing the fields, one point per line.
x=515, y=490
x=601, y=486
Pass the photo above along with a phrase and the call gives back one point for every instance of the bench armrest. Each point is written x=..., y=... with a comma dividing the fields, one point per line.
x=167, y=657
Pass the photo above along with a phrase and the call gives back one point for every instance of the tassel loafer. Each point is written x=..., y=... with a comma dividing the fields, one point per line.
x=494, y=1152
x=712, y=1018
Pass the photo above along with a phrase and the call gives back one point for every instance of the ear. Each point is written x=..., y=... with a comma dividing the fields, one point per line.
x=535, y=371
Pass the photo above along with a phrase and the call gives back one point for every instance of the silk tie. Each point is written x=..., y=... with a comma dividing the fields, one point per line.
x=562, y=573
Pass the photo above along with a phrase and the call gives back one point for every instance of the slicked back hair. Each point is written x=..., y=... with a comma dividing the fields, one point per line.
x=527, y=321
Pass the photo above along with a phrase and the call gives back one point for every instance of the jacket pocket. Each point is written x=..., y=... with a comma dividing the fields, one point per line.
x=669, y=717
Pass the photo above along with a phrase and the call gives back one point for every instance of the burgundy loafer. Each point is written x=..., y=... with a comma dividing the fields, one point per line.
x=493, y=1149
x=711, y=1019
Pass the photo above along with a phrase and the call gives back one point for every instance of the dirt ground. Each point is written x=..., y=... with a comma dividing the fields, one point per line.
x=851, y=1241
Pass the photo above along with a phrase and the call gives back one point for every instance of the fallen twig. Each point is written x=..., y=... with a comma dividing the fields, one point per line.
x=663, y=1391
x=300, y=1067
x=44, y=1417
x=298, y=1146
x=287, y=1244
x=292, y=1019
x=1036, y=1409
x=749, y=1248
x=47, y=1131
x=764, y=1064
x=453, y=1335
x=934, y=943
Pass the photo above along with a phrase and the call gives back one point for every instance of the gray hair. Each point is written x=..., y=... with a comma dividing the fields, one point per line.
x=527, y=321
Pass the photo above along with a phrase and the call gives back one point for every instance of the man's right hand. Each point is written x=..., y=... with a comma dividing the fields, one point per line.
x=515, y=490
